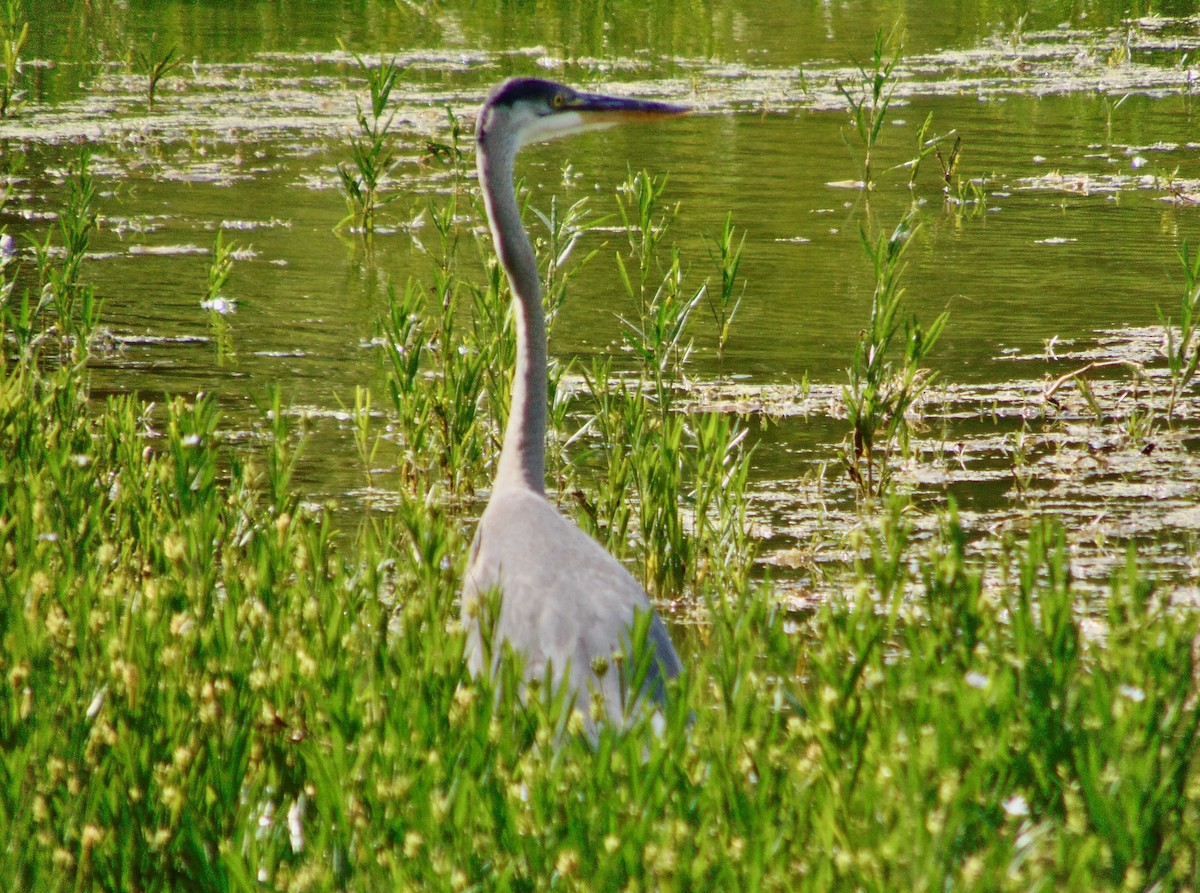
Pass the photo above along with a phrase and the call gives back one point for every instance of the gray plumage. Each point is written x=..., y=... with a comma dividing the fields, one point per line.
x=564, y=602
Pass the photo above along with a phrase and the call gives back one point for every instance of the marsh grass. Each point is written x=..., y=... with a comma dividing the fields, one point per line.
x=219, y=306
x=925, y=146
x=57, y=323
x=204, y=687
x=868, y=100
x=14, y=32
x=724, y=302
x=884, y=383
x=1180, y=341
x=674, y=506
x=372, y=152
x=673, y=494
x=154, y=65
x=870, y=97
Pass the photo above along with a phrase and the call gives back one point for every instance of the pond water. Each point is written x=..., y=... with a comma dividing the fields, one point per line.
x=1079, y=170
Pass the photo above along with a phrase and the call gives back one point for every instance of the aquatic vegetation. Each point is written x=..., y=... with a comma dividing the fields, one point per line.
x=66, y=309
x=925, y=146
x=202, y=685
x=725, y=302
x=219, y=306
x=154, y=66
x=211, y=681
x=658, y=335
x=372, y=152
x=879, y=393
x=14, y=32
x=673, y=495
x=438, y=382
x=1110, y=110
x=1181, y=348
x=870, y=98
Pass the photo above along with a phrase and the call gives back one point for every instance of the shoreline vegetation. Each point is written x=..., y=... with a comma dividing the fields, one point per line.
x=205, y=685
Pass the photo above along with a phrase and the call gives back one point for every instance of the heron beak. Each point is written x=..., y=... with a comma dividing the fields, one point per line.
x=585, y=112
x=595, y=109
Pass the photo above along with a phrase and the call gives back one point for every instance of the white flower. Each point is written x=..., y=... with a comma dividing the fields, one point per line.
x=1016, y=805
x=977, y=680
x=221, y=305
x=295, y=822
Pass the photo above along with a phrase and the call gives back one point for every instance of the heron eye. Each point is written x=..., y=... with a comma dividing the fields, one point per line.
x=559, y=100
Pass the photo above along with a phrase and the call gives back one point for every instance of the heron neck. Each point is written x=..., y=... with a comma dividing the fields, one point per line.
x=523, y=453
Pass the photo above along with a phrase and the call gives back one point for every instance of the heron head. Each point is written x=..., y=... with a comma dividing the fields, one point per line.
x=529, y=110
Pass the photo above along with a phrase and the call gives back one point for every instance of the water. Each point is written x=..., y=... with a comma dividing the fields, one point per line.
x=1077, y=125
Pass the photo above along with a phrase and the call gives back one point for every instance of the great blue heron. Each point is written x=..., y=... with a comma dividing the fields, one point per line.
x=564, y=603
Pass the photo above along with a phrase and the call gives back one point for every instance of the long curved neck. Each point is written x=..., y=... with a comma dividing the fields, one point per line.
x=523, y=453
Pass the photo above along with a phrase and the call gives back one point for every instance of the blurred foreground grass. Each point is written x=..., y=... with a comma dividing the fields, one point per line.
x=202, y=688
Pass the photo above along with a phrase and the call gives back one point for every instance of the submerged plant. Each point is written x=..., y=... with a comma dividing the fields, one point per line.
x=880, y=391
x=371, y=150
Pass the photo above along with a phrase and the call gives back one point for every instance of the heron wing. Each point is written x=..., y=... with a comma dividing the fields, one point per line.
x=564, y=601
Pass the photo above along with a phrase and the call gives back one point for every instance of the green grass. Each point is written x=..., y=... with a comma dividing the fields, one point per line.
x=217, y=305
x=869, y=99
x=882, y=386
x=1182, y=352
x=372, y=151
x=154, y=65
x=14, y=32
x=203, y=687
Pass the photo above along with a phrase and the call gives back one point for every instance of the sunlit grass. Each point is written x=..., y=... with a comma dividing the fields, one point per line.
x=882, y=386
x=202, y=687
x=1180, y=347
x=372, y=151
x=14, y=32
x=154, y=65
